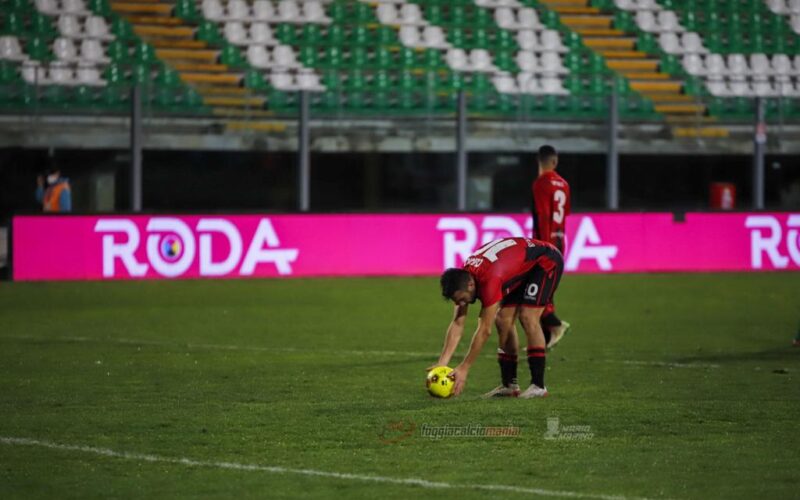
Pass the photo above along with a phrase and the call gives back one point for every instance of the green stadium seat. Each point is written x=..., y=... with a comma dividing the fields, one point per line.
x=385, y=36
x=143, y=53
x=100, y=7
x=332, y=57
x=334, y=35
x=232, y=56
x=286, y=34
x=384, y=58
x=13, y=25
x=118, y=52
x=311, y=35
x=187, y=10
x=123, y=30
x=38, y=49
x=83, y=96
x=358, y=57
x=42, y=25
x=309, y=55
x=8, y=74
x=168, y=77
x=254, y=80
x=114, y=75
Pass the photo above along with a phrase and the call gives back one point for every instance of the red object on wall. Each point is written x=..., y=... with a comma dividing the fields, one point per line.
x=723, y=195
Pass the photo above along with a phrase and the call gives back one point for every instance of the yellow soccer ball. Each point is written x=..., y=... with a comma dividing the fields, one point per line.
x=438, y=383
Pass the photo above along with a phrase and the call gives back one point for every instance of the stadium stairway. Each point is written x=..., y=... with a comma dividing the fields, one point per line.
x=620, y=48
x=216, y=73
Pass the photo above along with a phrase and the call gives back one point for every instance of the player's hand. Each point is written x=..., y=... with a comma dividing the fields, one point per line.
x=459, y=376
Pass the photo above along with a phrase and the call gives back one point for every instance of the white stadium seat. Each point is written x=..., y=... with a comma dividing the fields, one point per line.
x=49, y=7
x=88, y=74
x=235, y=33
x=313, y=12
x=646, y=20
x=526, y=61
x=282, y=80
x=284, y=56
x=481, y=60
x=96, y=27
x=64, y=49
x=551, y=41
x=212, y=10
x=239, y=10
x=457, y=59
x=410, y=13
x=263, y=10
x=261, y=33
x=308, y=80
x=527, y=40
x=691, y=42
x=10, y=49
x=504, y=83
x=434, y=37
x=258, y=56
x=550, y=63
x=553, y=85
x=409, y=36
x=387, y=13
x=715, y=65
x=34, y=73
x=92, y=51
x=693, y=64
x=670, y=43
x=60, y=73
x=68, y=26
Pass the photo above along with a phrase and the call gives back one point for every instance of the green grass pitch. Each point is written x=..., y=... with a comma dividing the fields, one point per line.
x=668, y=386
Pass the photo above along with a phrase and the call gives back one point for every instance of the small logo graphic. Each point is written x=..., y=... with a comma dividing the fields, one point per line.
x=394, y=432
x=567, y=432
x=171, y=248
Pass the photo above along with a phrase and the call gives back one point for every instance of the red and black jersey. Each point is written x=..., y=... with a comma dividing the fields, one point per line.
x=501, y=266
x=551, y=205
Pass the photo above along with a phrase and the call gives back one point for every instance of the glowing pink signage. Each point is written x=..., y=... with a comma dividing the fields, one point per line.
x=223, y=246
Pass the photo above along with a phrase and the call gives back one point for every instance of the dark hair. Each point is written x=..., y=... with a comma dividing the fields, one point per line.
x=546, y=152
x=453, y=280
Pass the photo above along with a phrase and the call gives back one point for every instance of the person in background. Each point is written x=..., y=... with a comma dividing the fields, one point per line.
x=53, y=191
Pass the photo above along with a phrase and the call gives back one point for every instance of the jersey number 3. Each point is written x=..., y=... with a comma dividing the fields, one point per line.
x=560, y=198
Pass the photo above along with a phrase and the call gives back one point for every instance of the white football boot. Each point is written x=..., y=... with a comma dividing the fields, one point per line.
x=557, y=333
x=501, y=391
x=534, y=391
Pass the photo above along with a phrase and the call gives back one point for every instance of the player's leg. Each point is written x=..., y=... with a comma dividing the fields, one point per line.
x=506, y=353
x=540, y=287
x=530, y=317
x=554, y=327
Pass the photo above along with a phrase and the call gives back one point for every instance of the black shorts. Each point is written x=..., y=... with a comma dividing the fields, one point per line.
x=538, y=288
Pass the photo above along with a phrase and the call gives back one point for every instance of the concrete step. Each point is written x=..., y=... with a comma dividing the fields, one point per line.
x=570, y=10
x=242, y=113
x=573, y=3
x=164, y=31
x=235, y=101
x=211, y=78
x=587, y=21
x=656, y=87
x=649, y=65
x=142, y=8
x=200, y=67
x=598, y=32
x=207, y=55
x=161, y=43
x=644, y=75
x=612, y=43
x=155, y=20
x=680, y=109
x=225, y=91
x=259, y=126
x=622, y=54
x=667, y=98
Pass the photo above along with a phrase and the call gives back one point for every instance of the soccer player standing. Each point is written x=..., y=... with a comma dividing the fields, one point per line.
x=551, y=205
x=512, y=277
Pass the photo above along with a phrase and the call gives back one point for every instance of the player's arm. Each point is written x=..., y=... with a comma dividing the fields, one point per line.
x=543, y=205
x=482, y=334
x=453, y=335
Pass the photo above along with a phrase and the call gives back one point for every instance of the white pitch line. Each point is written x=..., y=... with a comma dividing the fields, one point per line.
x=411, y=481
x=342, y=352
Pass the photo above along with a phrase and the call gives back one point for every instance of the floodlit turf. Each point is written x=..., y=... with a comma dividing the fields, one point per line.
x=679, y=386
